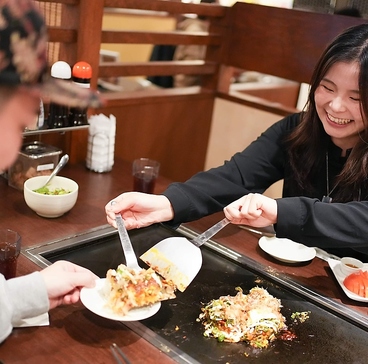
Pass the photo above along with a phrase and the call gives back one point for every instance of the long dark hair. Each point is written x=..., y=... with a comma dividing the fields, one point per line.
x=308, y=142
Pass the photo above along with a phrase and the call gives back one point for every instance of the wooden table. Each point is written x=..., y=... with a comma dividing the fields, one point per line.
x=76, y=335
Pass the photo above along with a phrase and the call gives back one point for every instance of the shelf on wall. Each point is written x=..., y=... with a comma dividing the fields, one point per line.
x=56, y=130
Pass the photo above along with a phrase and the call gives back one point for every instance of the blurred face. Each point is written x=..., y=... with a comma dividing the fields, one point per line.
x=16, y=113
x=338, y=104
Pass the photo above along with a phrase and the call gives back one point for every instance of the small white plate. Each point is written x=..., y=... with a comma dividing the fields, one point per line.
x=95, y=301
x=340, y=276
x=286, y=250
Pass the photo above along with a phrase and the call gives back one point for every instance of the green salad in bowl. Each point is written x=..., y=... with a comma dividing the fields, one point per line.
x=53, y=200
x=47, y=191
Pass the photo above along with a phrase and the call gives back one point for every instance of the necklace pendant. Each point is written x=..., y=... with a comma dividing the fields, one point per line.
x=326, y=199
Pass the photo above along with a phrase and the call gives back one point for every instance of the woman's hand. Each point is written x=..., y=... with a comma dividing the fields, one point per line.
x=253, y=209
x=139, y=209
x=64, y=281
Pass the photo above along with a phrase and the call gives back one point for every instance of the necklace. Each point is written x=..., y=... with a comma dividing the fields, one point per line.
x=327, y=198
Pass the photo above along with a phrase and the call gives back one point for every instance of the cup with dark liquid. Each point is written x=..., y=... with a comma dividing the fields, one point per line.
x=145, y=173
x=10, y=244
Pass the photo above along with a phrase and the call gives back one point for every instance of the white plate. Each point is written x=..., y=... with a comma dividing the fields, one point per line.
x=340, y=276
x=286, y=250
x=95, y=301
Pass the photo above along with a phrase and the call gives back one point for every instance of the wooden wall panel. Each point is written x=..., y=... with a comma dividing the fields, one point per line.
x=281, y=42
x=174, y=133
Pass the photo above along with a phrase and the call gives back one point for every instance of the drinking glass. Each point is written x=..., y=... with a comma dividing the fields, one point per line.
x=10, y=244
x=145, y=173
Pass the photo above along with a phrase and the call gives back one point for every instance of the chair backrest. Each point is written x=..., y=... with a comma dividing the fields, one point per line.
x=282, y=42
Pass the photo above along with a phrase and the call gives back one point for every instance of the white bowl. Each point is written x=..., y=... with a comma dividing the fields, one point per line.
x=50, y=206
x=350, y=265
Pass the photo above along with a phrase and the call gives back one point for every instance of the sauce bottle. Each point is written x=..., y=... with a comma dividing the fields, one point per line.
x=59, y=114
x=81, y=76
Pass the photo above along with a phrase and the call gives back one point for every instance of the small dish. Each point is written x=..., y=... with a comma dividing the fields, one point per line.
x=94, y=300
x=286, y=250
x=335, y=266
x=350, y=265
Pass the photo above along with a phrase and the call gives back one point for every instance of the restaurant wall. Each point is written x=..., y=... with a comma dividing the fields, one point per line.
x=234, y=127
x=173, y=131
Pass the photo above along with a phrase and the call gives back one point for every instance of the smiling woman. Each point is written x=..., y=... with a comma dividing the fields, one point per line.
x=321, y=154
x=338, y=105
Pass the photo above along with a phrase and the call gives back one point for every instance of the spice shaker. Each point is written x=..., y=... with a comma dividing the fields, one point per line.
x=59, y=114
x=81, y=76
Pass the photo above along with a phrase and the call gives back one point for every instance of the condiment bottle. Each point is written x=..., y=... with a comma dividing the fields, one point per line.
x=81, y=76
x=39, y=119
x=41, y=116
x=59, y=114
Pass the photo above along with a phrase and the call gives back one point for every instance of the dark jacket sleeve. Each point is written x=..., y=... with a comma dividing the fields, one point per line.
x=303, y=219
x=326, y=225
x=253, y=170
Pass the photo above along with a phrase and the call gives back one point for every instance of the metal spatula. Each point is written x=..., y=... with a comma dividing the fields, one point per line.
x=178, y=259
x=130, y=257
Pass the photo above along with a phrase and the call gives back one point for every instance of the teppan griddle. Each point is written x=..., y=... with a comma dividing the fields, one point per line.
x=332, y=334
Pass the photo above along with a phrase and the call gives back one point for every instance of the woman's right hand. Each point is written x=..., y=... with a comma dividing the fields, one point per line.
x=253, y=209
x=139, y=209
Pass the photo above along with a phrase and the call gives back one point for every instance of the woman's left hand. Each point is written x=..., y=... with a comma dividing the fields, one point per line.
x=253, y=209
